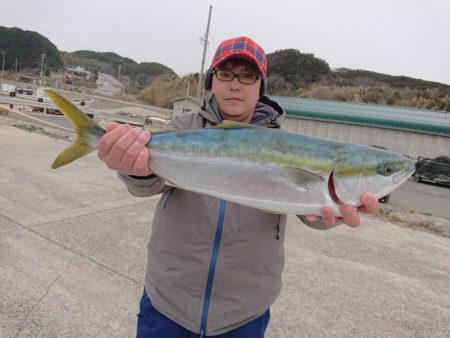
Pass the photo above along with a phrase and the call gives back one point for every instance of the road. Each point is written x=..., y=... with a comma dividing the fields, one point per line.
x=73, y=254
x=59, y=120
x=422, y=198
x=6, y=99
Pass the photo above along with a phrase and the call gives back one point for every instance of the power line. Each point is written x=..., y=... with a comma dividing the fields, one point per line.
x=43, y=29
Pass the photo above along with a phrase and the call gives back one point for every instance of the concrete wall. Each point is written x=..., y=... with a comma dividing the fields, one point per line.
x=411, y=144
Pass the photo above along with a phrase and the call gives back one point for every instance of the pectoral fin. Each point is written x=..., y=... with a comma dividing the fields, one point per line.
x=301, y=177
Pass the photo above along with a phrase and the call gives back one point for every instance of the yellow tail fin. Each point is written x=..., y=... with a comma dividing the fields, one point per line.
x=88, y=131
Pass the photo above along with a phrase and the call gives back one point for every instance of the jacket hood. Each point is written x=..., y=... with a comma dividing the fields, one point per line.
x=267, y=112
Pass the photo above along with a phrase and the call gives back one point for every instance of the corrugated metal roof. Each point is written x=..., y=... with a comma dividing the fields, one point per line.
x=420, y=120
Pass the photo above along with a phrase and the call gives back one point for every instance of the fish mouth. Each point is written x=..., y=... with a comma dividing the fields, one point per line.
x=332, y=189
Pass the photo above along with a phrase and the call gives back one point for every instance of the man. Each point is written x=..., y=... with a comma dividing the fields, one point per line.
x=214, y=267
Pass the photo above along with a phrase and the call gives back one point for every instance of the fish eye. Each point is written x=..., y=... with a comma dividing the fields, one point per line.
x=388, y=170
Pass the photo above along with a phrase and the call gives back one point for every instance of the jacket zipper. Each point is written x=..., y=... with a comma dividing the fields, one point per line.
x=212, y=269
x=278, y=229
x=168, y=196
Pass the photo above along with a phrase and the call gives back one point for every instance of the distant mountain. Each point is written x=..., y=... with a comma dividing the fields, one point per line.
x=290, y=72
x=137, y=76
x=27, y=47
x=393, y=81
x=296, y=68
x=300, y=70
x=293, y=73
x=106, y=57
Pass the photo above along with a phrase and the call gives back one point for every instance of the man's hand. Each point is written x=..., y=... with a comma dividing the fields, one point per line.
x=122, y=148
x=350, y=215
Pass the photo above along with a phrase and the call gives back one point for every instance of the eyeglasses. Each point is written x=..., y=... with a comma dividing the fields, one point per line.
x=244, y=78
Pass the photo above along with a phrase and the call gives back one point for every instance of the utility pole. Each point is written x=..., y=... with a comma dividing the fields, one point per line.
x=118, y=77
x=3, y=65
x=42, y=69
x=16, y=71
x=200, y=88
x=187, y=89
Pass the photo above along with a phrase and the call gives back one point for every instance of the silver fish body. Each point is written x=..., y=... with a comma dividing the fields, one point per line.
x=264, y=168
x=273, y=170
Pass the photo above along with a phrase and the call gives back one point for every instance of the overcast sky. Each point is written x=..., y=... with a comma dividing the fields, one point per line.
x=397, y=37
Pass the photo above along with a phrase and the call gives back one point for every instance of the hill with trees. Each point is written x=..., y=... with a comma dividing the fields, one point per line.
x=136, y=76
x=293, y=73
x=27, y=47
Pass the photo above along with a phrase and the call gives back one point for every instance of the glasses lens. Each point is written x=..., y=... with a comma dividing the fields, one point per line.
x=224, y=75
x=248, y=78
x=245, y=78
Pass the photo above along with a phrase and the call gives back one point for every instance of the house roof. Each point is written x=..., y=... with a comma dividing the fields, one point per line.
x=419, y=120
x=111, y=79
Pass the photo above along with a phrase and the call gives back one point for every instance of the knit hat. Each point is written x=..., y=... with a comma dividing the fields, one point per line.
x=241, y=47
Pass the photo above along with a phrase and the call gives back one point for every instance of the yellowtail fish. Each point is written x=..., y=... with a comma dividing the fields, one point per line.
x=264, y=168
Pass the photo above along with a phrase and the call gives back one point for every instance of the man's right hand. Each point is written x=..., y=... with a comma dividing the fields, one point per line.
x=123, y=148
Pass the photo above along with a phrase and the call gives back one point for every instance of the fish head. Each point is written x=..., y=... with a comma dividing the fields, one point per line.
x=366, y=169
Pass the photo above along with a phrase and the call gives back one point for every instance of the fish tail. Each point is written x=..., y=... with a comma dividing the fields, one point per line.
x=86, y=128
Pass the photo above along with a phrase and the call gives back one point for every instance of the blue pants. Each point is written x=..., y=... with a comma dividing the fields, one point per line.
x=153, y=324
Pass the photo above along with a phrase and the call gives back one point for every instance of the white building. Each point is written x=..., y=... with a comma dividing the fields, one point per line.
x=107, y=84
x=77, y=72
x=186, y=104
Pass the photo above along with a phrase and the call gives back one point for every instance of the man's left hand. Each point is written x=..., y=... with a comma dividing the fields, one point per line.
x=350, y=215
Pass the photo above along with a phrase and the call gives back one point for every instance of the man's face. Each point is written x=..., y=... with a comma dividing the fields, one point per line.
x=236, y=101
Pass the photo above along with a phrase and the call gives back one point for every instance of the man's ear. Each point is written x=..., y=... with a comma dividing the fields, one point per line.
x=263, y=87
x=208, y=79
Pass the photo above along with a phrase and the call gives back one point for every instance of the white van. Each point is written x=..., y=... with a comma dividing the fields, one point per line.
x=41, y=96
x=8, y=89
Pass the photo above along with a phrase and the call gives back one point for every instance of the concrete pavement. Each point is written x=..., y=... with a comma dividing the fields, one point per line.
x=73, y=253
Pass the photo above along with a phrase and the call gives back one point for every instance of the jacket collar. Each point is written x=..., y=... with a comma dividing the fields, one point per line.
x=267, y=112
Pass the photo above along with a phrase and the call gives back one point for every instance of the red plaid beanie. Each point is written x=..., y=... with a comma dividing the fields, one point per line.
x=241, y=47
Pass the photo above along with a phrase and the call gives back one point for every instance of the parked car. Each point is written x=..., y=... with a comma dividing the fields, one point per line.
x=25, y=91
x=8, y=89
x=435, y=170
x=41, y=96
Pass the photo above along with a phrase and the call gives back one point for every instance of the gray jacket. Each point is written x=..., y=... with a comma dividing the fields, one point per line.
x=212, y=265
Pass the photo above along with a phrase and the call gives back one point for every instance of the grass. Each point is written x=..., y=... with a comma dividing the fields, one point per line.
x=31, y=128
x=409, y=221
x=36, y=129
